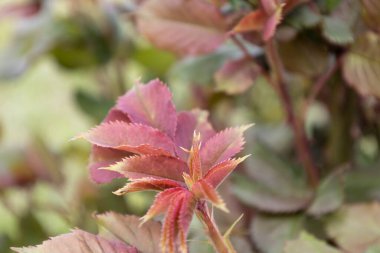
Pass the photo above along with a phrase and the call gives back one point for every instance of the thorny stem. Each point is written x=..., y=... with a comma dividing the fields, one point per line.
x=212, y=230
x=302, y=145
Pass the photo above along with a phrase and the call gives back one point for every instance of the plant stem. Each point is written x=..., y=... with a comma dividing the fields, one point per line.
x=302, y=145
x=212, y=230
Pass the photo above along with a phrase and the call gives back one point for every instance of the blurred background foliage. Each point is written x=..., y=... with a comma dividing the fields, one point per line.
x=63, y=63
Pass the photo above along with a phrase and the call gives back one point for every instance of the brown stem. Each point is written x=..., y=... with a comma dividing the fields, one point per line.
x=320, y=83
x=302, y=145
x=212, y=230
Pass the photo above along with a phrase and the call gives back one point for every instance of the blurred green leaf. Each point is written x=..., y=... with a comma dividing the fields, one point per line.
x=271, y=232
x=308, y=243
x=337, y=31
x=272, y=186
x=97, y=108
x=329, y=195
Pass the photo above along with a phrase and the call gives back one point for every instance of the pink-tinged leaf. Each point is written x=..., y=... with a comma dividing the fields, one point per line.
x=222, y=146
x=148, y=183
x=182, y=26
x=269, y=6
x=253, y=21
x=216, y=175
x=236, y=76
x=128, y=228
x=177, y=221
x=79, y=242
x=202, y=189
x=161, y=203
x=188, y=123
x=195, y=159
x=271, y=23
x=116, y=115
x=155, y=166
x=135, y=138
x=169, y=228
x=151, y=105
x=104, y=157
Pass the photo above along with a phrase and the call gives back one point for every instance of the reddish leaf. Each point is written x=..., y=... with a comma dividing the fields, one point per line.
x=177, y=221
x=182, y=26
x=155, y=166
x=236, y=76
x=188, y=122
x=104, y=157
x=79, y=242
x=195, y=159
x=116, y=115
x=135, y=138
x=151, y=105
x=222, y=146
x=128, y=228
x=216, y=175
x=253, y=21
x=161, y=203
x=148, y=183
x=202, y=189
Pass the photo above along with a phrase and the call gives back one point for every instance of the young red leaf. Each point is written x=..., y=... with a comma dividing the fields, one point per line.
x=253, y=21
x=148, y=183
x=151, y=105
x=188, y=123
x=135, y=138
x=194, y=159
x=79, y=242
x=202, y=189
x=156, y=166
x=222, y=146
x=182, y=26
x=161, y=203
x=216, y=175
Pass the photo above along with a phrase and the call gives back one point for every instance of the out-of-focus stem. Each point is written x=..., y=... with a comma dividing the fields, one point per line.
x=212, y=230
x=302, y=145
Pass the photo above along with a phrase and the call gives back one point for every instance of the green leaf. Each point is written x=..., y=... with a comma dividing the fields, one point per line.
x=145, y=238
x=271, y=232
x=303, y=17
x=337, y=31
x=308, y=243
x=329, y=195
x=361, y=65
x=356, y=228
x=95, y=107
x=271, y=186
x=199, y=69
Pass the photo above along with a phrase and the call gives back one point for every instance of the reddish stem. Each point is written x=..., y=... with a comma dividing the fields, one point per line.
x=302, y=145
x=212, y=230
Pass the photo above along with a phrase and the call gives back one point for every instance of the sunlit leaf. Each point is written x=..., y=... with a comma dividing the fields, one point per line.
x=337, y=31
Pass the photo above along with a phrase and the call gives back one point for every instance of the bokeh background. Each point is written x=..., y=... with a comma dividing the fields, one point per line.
x=63, y=63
